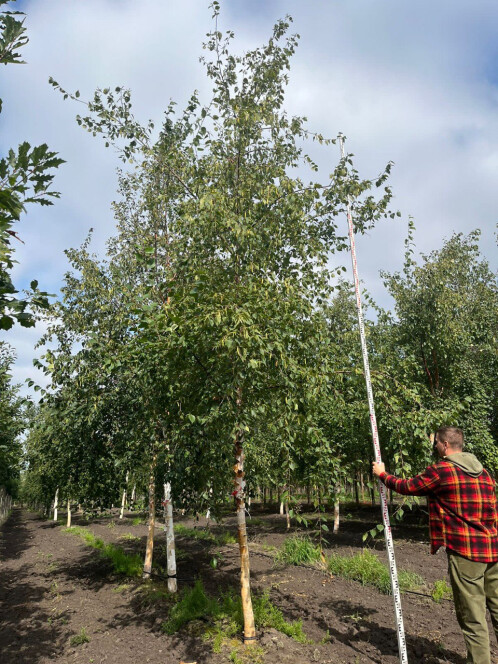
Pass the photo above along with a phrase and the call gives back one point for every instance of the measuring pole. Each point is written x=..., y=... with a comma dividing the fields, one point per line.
x=403, y=658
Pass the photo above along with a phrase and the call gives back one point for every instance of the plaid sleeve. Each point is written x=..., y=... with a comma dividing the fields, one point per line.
x=420, y=485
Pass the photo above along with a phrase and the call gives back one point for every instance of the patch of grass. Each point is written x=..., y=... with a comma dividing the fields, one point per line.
x=366, y=568
x=154, y=593
x=130, y=537
x=193, y=605
x=224, y=616
x=205, y=535
x=123, y=563
x=80, y=638
x=138, y=521
x=267, y=614
x=255, y=522
x=441, y=590
x=298, y=550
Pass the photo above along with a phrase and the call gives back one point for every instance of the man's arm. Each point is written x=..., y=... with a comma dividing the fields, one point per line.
x=420, y=485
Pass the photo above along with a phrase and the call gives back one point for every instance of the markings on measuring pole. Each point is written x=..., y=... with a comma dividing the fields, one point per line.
x=375, y=435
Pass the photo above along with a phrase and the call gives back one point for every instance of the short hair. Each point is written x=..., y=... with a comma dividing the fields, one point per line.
x=452, y=435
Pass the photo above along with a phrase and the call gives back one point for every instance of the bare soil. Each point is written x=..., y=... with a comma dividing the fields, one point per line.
x=52, y=586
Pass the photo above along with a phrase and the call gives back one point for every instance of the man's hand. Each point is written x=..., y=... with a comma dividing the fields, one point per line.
x=378, y=468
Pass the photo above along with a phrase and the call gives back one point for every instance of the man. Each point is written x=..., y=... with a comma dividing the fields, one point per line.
x=462, y=518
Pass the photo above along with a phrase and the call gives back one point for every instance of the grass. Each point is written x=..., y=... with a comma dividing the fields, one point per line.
x=224, y=616
x=205, y=535
x=138, y=521
x=123, y=563
x=80, y=638
x=298, y=550
x=366, y=568
x=130, y=537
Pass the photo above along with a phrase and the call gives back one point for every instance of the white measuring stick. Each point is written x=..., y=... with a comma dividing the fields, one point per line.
x=403, y=658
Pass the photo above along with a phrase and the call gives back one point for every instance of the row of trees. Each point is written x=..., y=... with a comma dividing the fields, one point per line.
x=215, y=349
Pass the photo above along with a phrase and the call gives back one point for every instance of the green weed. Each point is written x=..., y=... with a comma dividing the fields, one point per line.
x=441, y=590
x=123, y=563
x=366, y=568
x=298, y=550
x=80, y=638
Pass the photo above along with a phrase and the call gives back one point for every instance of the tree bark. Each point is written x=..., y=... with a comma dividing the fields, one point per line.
x=68, y=525
x=123, y=500
x=170, y=539
x=245, y=583
x=152, y=520
x=336, y=511
x=56, y=503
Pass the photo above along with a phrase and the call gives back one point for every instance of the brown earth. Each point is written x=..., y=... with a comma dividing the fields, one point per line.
x=52, y=585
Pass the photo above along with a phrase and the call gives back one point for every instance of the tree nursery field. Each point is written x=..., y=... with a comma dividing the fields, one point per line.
x=213, y=356
x=62, y=600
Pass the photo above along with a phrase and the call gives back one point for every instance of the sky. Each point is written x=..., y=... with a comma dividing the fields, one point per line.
x=412, y=83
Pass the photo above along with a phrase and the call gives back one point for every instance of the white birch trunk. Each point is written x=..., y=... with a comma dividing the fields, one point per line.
x=56, y=503
x=170, y=539
x=281, y=508
x=68, y=525
x=336, y=514
x=123, y=500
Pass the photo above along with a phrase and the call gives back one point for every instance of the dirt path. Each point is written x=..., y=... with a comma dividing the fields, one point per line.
x=52, y=587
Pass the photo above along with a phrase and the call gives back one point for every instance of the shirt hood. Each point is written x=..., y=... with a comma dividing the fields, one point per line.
x=466, y=462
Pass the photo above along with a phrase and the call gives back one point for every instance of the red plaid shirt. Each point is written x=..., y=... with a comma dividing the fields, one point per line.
x=462, y=509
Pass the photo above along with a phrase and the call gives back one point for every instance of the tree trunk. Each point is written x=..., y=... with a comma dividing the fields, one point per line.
x=287, y=514
x=68, y=513
x=123, y=500
x=336, y=511
x=281, y=508
x=170, y=539
x=356, y=492
x=152, y=520
x=56, y=503
x=308, y=494
x=132, y=499
x=362, y=485
x=264, y=495
x=245, y=584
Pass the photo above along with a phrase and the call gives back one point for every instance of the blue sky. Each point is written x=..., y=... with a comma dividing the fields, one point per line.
x=416, y=83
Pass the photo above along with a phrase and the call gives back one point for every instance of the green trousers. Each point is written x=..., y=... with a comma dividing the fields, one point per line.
x=475, y=587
